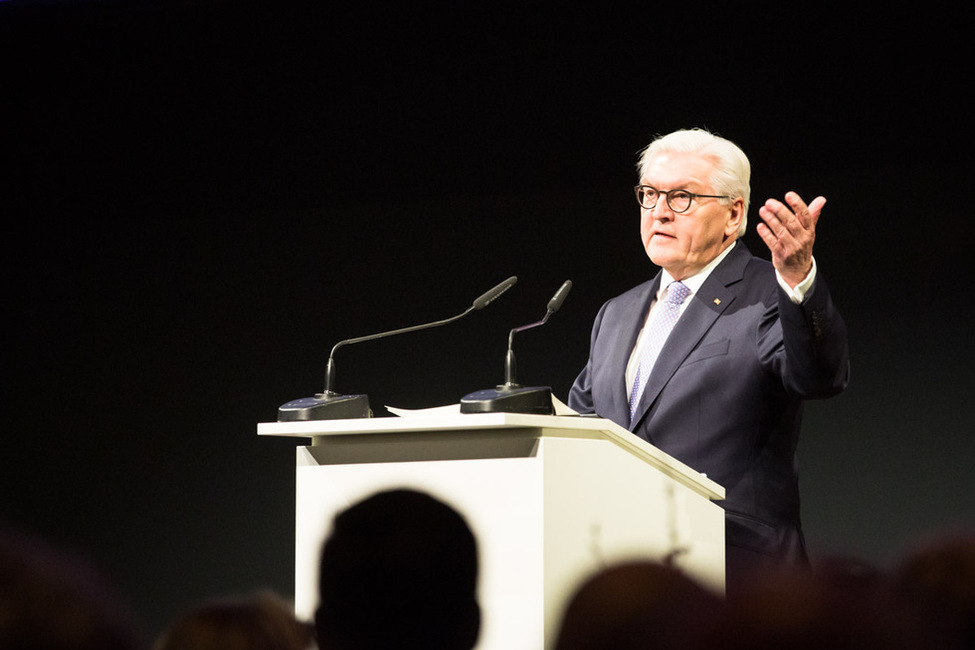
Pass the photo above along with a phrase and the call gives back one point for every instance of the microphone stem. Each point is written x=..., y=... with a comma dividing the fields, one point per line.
x=509, y=361
x=509, y=369
x=403, y=330
x=511, y=334
x=330, y=370
x=329, y=374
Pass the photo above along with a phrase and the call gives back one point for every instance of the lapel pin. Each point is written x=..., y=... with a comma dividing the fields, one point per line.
x=717, y=301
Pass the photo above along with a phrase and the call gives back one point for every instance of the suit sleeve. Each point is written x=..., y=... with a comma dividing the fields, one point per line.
x=812, y=356
x=580, y=395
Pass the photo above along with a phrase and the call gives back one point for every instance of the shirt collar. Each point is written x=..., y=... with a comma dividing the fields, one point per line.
x=696, y=281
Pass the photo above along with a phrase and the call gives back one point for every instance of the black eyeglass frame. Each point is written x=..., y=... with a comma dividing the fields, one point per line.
x=639, y=188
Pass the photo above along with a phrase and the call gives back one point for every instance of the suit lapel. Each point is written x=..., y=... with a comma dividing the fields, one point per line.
x=713, y=298
x=628, y=326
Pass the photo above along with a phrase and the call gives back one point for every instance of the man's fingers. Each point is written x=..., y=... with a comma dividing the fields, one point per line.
x=772, y=213
x=807, y=215
x=816, y=208
x=767, y=236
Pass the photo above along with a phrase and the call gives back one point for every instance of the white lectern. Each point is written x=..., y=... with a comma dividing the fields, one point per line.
x=550, y=499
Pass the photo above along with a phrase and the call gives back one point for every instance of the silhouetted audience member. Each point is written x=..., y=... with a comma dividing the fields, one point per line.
x=805, y=610
x=52, y=599
x=638, y=604
x=263, y=621
x=399, y=570
x=850, y=575
x=935, y=585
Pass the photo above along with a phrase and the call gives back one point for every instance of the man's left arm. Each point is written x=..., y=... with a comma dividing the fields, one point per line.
x=813, y=330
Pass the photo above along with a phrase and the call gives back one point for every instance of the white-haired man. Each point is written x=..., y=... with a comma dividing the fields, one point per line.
x=712, y=359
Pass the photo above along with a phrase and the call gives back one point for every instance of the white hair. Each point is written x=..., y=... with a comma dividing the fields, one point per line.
x=732, y=171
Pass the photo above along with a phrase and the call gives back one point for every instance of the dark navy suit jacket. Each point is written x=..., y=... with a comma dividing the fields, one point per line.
x=726, y=393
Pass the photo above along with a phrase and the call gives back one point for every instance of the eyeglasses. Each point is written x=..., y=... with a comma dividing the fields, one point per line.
x=677, y=200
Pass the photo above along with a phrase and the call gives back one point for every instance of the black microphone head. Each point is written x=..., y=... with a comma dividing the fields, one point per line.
x=488, y=297
x=559, y=297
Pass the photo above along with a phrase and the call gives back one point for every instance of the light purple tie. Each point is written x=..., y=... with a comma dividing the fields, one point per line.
x=660, y=328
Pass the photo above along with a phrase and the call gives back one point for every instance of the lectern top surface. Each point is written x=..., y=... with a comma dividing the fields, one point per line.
x=541, y=425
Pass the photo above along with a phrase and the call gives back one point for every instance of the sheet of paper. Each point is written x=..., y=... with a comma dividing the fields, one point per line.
x=453, y=409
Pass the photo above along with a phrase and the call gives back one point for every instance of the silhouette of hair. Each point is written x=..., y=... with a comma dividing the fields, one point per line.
x=804, y=610
x=399, y=571
x=638, y=604
x=263, y=621
x=53, y=599
x=935, y=585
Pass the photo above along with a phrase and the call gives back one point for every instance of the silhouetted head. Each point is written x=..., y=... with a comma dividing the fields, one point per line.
x=935, y=585
x=639, y=604
x=53, y=599
x=399, y=570
x=263, y=621
x=837, y=608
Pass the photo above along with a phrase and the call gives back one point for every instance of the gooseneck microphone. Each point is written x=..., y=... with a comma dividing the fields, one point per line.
x=553, y=306
x=510, y=397
x=483, y=301
x=330, y=405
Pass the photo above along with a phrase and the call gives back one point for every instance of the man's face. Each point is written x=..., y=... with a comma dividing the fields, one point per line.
x=685, y=243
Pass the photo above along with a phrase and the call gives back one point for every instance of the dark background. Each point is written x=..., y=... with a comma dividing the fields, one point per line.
x=201, y=198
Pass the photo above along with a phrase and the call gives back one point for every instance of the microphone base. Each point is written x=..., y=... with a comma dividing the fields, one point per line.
x=325, y=406
x=512, y=398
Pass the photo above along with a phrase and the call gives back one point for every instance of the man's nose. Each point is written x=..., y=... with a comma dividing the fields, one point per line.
x=662, y=210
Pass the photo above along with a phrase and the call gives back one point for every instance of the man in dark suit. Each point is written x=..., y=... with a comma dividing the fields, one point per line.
x=714, y=368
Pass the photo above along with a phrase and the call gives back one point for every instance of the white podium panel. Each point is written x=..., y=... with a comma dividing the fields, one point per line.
x=550, y=500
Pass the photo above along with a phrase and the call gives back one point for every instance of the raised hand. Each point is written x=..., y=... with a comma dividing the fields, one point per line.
x=789, y=231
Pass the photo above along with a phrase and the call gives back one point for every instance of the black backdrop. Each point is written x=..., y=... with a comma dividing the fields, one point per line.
x=200, y=198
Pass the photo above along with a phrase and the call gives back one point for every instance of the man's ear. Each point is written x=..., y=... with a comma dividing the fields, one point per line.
x=734, y=219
